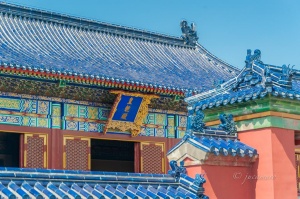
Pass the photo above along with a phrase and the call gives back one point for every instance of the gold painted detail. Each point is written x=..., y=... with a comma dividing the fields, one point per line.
x=26, y=121
x=53, y=99
x=153, y=126
x=26, y=105
x=43, y=107
x=84, y=120
x=43, y=122
x=56, y=111
x=92, y=112
x=135, y=126
x=152, y=110
x=9, y=103
x=161, y=119
x=22, y=114
x=55, y=121
x=73, y=110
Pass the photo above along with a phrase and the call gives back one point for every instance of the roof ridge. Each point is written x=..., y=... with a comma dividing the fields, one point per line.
x=89, y=24
x=217, y=58
x=79, y=172
x=255, y=80
x=79, y=51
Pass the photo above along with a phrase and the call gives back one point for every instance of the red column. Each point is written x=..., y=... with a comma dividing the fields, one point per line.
x=137, y=157
x=274, y=173
x=55, y=149
x=21, y=157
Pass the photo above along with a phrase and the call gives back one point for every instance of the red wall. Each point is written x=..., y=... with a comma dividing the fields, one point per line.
x=225, y=182
x=275, y=168
x=273, y=175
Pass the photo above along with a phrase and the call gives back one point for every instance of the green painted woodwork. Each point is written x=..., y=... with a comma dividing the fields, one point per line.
x=268, y=121
x=269, y=103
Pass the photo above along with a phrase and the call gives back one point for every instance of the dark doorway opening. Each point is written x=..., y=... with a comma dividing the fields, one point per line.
x=111, y=155
x=9, y=149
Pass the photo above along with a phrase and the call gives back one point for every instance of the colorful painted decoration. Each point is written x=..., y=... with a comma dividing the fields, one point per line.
x=128, y=112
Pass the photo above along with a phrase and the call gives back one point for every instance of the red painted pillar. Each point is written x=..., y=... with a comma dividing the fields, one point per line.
x=137, y=157
x=274, y=173
x=55, y=149
x=21, y=157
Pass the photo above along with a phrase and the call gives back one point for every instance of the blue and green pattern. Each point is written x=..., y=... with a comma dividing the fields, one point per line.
x=79, y=117
x=147, y=131
x=181, y=121
x=11, y=119
x=25, y=121
x=84, y=118
x=25, y=105
x=171, y=126
x=25, y=112
x=164, y=125
x=83, y=126
x=88, y=112
x=56, y=116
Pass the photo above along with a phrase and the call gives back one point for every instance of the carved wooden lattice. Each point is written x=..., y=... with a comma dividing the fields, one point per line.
x=77, y=154
x=152, y=158
x=35, y=151
x=297, y=158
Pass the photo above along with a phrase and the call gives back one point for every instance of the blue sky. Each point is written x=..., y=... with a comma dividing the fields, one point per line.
x=227, y=28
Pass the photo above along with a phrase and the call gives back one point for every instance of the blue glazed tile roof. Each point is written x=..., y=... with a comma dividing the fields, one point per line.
x=221, y=140
x=42, y=183
x=256, y=80
x=59, y=43
x=217, y=145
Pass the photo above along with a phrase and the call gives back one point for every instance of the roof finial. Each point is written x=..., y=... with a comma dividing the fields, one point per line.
x=176, y=170
x=227, y=123
x=189, y=33
x=255, y=57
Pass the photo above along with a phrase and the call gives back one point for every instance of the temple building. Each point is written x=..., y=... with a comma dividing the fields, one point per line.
x=95, y=110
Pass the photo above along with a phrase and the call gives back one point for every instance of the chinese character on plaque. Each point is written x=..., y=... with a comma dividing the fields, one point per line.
x=128, y=112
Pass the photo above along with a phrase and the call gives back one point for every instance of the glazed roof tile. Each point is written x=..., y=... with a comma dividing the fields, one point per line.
x=217, y=145
x=60, y=44
x=256, y=80
x=28, y=183
x=220, y=140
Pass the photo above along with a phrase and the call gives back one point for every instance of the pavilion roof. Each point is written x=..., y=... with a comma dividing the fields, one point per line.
x=217, y=145
x=255, y=81
x=41, y=44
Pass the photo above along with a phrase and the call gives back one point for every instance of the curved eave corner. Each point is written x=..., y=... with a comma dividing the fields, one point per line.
x=256, y=80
